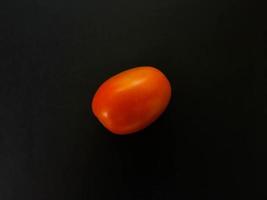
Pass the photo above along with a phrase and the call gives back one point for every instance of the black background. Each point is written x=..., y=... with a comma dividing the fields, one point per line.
x=211, y=143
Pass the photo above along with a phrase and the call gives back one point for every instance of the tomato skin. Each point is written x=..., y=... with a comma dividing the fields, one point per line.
x=131, y=100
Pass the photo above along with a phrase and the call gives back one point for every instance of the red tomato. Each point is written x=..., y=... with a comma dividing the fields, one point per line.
x=131, y=100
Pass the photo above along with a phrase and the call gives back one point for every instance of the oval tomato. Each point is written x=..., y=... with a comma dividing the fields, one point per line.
x=131, y=100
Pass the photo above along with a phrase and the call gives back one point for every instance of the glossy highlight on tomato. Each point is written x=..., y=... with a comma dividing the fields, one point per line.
x=131, y=100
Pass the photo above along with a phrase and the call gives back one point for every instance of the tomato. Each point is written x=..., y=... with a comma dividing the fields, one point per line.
x=131, y=100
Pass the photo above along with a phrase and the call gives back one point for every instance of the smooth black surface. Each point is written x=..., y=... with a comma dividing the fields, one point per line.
x=211, y=143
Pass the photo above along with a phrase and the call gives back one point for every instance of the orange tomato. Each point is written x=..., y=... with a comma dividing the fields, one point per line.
x=131, y=100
